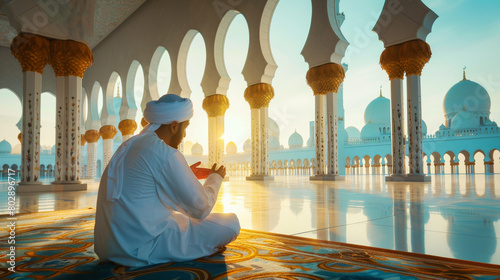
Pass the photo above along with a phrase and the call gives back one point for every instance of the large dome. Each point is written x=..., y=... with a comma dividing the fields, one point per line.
x=353, y=132
x=274, y=143
x=378, y=111
x=370, y=131
x=5, y=147
x=295, y=141
x=274, y=129
x=465, y=119
x=467, y=95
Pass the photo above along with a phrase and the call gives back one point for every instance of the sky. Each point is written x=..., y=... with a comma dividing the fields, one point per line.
x=465, y=34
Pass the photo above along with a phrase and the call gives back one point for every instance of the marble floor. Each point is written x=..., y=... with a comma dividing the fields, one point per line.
x=455, y=216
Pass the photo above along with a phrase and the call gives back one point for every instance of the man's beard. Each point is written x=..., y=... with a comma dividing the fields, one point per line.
x=177, y=138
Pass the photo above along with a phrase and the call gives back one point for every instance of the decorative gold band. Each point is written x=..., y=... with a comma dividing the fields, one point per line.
x=325, y=78
x=108, y=132
x=409, y=57
x=32, y=51
x=215, y=105
x=127, y=127
x=92, y=136
x=259, y=95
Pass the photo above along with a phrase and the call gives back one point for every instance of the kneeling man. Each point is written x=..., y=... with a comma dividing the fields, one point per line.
x=151, y=208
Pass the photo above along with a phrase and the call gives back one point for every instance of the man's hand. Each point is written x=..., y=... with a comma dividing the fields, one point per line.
x=221, y=171
x=200, y=173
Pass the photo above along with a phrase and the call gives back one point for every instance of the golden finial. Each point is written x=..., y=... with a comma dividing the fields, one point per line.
x=381, y=91
x=463, y=109
x=465, y=67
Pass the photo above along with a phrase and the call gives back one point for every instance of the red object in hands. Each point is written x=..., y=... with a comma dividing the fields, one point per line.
x=200, y=173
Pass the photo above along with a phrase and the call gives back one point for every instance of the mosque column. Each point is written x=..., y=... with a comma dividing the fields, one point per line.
x=69, y=59
x=92, y=136
x=82, y=146
x=33, y=54
x=258, y=97
x=107, y=133
x=414, y=55
x=215, y=106
x=488, y=167
x=127, y=128
x=390, y=63
x=325, y=81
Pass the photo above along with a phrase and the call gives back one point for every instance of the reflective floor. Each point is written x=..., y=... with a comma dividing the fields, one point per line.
x=452, y=216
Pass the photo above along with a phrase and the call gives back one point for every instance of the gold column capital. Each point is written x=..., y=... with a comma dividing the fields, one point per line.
x=414, y=55
x=144, y=122
x=325, y=78
x=70, y=58
x=92, y=136
x=20, y=137
x=32, y=52
x=259, y=95
x=215, y=105
x=108, y=132
x=82, y=140
x=390, y=62
x=127, y=127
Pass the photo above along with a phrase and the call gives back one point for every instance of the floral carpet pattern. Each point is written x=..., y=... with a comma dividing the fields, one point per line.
x=59, y=245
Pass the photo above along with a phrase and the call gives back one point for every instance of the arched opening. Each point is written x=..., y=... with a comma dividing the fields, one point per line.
x=12, y=110
x=195, y=68
x=160, y=73
x=47, y=119
x=479, y=157
x=235, y=38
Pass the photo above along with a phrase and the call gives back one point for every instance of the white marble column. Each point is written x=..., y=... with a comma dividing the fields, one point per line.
x=81, y=152
x=107, y=133
x=91, y=160
x=212, y=141
x=319, y=132
x=414, y=126
x=255, y=136
x=264, y=135
x=333, y=149
x=219, y=140
x=73, y=138
x=30, y=153
x=397, y=137
x=60, y=150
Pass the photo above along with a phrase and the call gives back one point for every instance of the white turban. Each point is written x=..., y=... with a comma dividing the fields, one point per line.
x=167, y=109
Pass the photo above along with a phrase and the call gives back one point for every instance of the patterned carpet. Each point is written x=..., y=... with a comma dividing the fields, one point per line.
x=59, y=245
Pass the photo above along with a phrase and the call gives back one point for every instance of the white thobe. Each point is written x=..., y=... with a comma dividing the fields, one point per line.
x=163, y=212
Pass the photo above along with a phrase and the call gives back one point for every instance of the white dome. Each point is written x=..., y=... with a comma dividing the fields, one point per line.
x=353, y=132
x=295, y=141
x=274, y=143
x=465, y=119
x=274, y=129
x=5, y=147
x=231, y=148
x=247, y=146
x=197, y=150
x=466, y=95
x=370, y=131
x=378, y=111
x=424, y=128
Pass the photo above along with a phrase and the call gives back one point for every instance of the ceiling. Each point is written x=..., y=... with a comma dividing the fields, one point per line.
x=109, y=14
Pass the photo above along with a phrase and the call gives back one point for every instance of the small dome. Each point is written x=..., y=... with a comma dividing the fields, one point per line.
x=197, y=150
x=274, y=129
x=353, y=132
x=274, y=143
x=231, y=148
x=467, y=95
x=370, y=131
x=442, y=127
x=465, y=119
x=424, y=128
x=247, y=146
x=5, y=147
x=378, y=111
x=295, y=141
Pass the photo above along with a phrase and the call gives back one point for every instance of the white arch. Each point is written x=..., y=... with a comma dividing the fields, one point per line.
x=180, y=68
x=154, y=66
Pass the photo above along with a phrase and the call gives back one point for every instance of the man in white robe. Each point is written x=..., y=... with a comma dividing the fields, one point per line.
x=150, y=206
